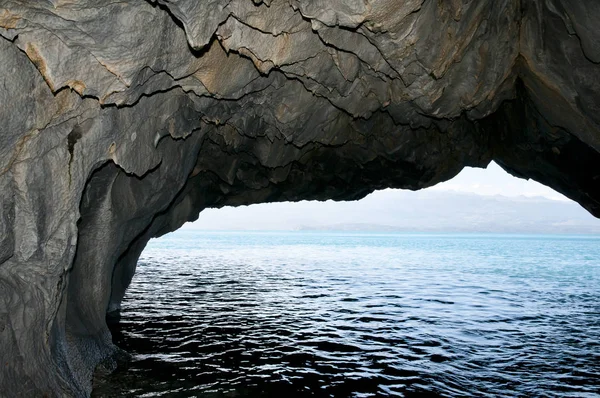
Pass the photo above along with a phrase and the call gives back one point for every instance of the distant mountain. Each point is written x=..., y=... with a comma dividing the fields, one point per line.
x=396, y=210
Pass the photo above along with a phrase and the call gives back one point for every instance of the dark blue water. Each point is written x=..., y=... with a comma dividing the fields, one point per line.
x=361, y=315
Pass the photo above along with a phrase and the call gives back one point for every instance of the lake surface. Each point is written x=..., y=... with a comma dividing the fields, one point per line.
x=235, y=314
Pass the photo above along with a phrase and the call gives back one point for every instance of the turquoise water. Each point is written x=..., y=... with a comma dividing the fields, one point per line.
x=326, y=314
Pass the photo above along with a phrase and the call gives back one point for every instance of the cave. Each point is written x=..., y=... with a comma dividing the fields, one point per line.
x=122, y=121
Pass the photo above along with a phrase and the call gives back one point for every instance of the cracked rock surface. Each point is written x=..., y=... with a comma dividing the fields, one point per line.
x=121, y=120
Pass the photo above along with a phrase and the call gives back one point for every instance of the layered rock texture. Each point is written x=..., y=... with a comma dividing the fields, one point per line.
x=120, y=121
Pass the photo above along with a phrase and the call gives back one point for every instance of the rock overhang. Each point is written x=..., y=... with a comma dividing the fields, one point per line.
x=122, y=121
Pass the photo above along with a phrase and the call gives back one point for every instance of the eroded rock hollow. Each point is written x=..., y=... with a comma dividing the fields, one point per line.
x=120, y=121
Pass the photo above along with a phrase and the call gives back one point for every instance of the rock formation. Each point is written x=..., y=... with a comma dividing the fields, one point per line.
x=122, y=120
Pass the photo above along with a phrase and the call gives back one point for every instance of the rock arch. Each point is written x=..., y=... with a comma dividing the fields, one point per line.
x=121, y=122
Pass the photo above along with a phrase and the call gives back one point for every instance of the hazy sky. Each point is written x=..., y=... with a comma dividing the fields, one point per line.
x=491, y=181
x=495, y=181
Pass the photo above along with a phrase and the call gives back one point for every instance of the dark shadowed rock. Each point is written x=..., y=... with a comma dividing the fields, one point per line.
x=121, y=121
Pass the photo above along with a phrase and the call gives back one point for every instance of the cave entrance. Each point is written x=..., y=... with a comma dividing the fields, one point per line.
x=475, y=284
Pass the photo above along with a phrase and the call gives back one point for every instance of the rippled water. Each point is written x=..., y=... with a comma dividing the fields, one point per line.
x=301, y=314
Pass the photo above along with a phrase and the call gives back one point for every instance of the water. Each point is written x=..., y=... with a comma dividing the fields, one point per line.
x=361, y=315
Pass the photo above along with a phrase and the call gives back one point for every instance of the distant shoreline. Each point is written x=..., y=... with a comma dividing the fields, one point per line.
x=394, y=232
x=409, y=212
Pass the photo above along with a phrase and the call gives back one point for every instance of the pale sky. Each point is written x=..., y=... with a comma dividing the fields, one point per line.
x=285, y=215
x=495, y=181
